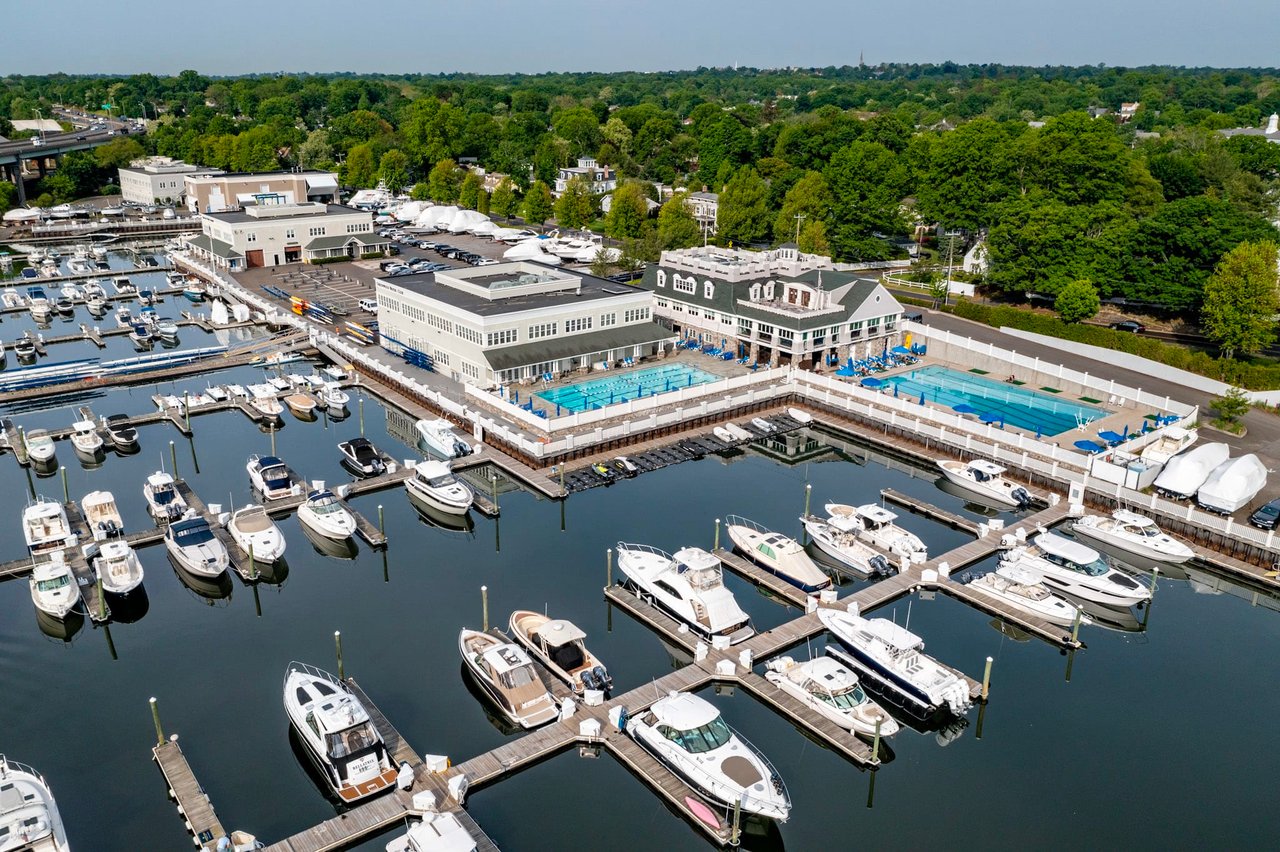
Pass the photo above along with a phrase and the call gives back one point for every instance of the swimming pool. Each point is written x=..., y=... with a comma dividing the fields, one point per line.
x=1027, y=409
x=597, y=393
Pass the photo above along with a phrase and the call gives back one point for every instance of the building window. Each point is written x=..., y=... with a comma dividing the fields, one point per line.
x=289, y=234
x=755, y=292
x=662, y=278
x=662, y=303
x=684, y=285
x=578, y=324
x=316, y=232
x=768, y=292
x=441, y=357
x=708, y=290
x=546, y=329
x=469, y=334
x=607, y=320
x=501, y=338
x=469, y=369
x=252, y=237
x=635, y=315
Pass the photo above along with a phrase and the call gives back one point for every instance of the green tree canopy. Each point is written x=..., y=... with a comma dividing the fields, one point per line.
x=867, y=185
x=576, y=206
x=676, y=226
x=810, y=198
x=743, y=216
x=359, y=170
x=628, y=211
x=538, y=203
x=1077, y=301
x=393, y=169
x=504, y=201
x=119, y=152
x=469, y=192
x=1240, y=299
x=445, y=181
x=421, y=191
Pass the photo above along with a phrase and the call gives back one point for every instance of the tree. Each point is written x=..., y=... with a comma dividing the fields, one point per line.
x=469, y=193
x=743, y=217
x=421, y=191
x=1240, y=299
x=810, y=198
x=1231, y=406
x=676, y=226
x=867, y=184
x=504, y=199
x=575, y=208
x=8, y=195
x=627, y=211
x=316, y=151
x=445, y=181
x=119, y=152
x=359, y=169
x=602, y=262
x=393, y=169
x=538, y=203
x=1077, y=301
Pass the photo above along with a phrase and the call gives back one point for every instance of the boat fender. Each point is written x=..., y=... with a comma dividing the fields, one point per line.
x=618, y=717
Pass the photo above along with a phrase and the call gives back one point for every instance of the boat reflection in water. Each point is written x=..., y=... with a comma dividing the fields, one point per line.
x=334, y=548
x=62, y=629
x=130, y=608
x=970, y=499
x=272, y=573
x=210, y=589
x=433, y=517
x=308, y=766
x=45, y=469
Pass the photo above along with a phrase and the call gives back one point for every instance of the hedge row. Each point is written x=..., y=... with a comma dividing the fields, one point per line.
x=1252, y=375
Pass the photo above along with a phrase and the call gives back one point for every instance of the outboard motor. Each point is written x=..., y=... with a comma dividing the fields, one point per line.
x=602, y=677
x=966, y=578
x=880, y=566
x=1020, y=494
x=588, y=679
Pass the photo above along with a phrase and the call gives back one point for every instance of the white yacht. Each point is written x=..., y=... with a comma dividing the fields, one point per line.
x=878, y=526
x=1022, y=588
x=689, y=586
x=163, y=500
x=1078, y=570
x=434, y=483
x=438, y=831
x=29, y=818
x=193, y=545
x=1232, y=484
x=40, y=447
x=837, y=537
x=324, y=513
x=1185, y=473
x=985, y=479
x=1133, y=533
x=560, y=646
x=263, y=399
x=118, y=567
x=893, y=657
x=256, y=534
x=827, y=686
x=270, y=476
x=506, y=674
x=53, y=588
x=438, y=436
x=333, y=396
x=776, y=553
x=102, y=515
x=85, y=438
x=45, y=525
x=337, y=732
x=362, y=458
x=1172, y=440
x=124, y=436
x=688, y=734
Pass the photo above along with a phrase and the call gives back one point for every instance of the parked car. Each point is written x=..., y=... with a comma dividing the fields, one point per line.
x=486, y=261
x=1267, y=516
x=1129, y=325
x=370, y=305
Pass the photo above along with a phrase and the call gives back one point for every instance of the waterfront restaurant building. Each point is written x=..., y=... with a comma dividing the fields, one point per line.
x=271, y=231
x=775, y=307
x=214, y=193
x=516, y=322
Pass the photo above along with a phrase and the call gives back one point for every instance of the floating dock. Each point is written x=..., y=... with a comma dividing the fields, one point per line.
x=193, y=805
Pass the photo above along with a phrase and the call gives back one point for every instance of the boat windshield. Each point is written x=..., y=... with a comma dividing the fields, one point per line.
x=846, y=700
x=1145, y=530
x=517, y=677
x=193, y=535
x=1096, y=568
x=326, y=505
x=701, y=739
x=702, y=579
x=275, y=477
x=53, y=583
x=442, y=481
x=351, y=741
x=163, y=494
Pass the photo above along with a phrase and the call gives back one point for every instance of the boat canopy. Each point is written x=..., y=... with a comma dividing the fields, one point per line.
x=695, y=559
x=684, y=712
x=982, y=466
x=1124, y=516
x=893, y=635
x=559, y=632
x=876, y=514
x=506, y=658
x=1017, y=572
x=831, y=675
x=1065, y=548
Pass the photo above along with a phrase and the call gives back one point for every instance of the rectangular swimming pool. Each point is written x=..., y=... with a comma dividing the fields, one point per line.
x=597, y=393
x=1016, y=406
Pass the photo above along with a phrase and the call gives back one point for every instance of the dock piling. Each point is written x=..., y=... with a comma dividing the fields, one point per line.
x=986, y=680
x=173, y=458
x=155, y=717
x=337, y=641
x=875, y=744
x=1155, y=575
x=186, y=409
x=66, y=494
x=253, y=564
x=1075, y=628
x=608, y=567
x=362, y=417
x=493, y=480
x=484, y=604
x=735, y=831
x=716, y=546
x=102, y=601
x=272, y=427
x=808, y=492
x=382, y=524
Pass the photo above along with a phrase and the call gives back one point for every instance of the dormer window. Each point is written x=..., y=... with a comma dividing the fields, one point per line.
x=662, y=278
x=755, y=292
x=768, y=292
x=708, y=290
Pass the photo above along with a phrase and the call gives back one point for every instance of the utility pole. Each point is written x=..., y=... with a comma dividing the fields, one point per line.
x=799, y=217
x=951, y=251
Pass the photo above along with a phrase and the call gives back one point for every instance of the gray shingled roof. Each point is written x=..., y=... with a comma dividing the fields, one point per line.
x=553, y=349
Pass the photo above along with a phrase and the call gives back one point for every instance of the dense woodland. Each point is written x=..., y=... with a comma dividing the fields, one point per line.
x=863, y=154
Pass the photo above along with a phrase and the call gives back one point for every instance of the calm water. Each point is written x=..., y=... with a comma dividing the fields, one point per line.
x=1117, y=755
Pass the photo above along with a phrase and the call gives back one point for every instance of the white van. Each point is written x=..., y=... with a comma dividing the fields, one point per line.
x=370, y=305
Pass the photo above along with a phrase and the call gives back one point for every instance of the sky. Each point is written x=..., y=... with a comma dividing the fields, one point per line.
x=229, y=37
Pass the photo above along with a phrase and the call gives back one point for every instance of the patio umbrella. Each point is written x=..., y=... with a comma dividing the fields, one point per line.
x=992, y=417
x=922, y=397
x=964, y=408
x=872, y=383
x=1089, y=446
x=901, y=350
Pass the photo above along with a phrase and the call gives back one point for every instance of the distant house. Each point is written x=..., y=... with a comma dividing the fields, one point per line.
x=600, y=178
x=212, y=193
x=1271, y=132
x=1098, y=112
x=158, y=178
x=705, y=207
x=1128, y=111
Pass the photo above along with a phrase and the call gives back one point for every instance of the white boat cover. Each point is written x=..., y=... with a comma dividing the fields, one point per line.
x=1185, y=473
x=531, y=250
x=1233, y=483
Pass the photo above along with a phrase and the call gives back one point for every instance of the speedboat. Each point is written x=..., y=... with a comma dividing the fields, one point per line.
x=102, y=515
x=559, y=645
x=1185, y=473
x=302, y=405
x=508, y=677
x=85, y=438
x=193, y=546
x=689, y=586
x=625, y=467
x=892, y=657
x=1133, y=533
x=688, y=734
x=124, y=317
x=738, y=432
x=167, y=330
x=1172, y=440
x=763, y=425
x=438, y=436
x=837, y=538
x=163, y=499
x=724, y=435
x=440, y=831
x=269, y=476
x=361, y=457
x=263, y=399
x=435, y=484
x=256, y=534
x=53, y=591
x=986, y=479
x=324, y=514
x=333, y=396
x=25, y=348
x=123, y=436
x=29, y=818
x=1022, y=588
x=118, y=567
x=1078, y=570
x=140, y=334
x=337, y=732
x=825, y=685
x=45, y=525
x=40, y=446
x=776, y=553
x=1232, y=484
x=876, y=525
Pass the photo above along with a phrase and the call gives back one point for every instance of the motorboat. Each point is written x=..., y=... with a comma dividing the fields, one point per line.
x=986, y=479
x=140, y=334
x=763, y=425
x=124, y=317
x=118, y=568
x=689, y=586
x=102, y=515
x=738, y=432
x=45, y=526
x=625, y=467
x=193, y=546
x=560, y=646
x=333, y=396
x=1232, y=484
x=506, y=674
x=263, y=399
x=123, y=435
x=1079, y=571
x=40, y=446
x=362, y=458
x=25, y=348
x=877, y=525
x=64, y=305
x=338, y=733
x=1133, y=533
x=1022, y=588
x=893, y=658
x=217, y=393
x=72, y=292
x=438, y=436
x=324, y=513
x=235, y=391
x=38, y=302
x=167, y=330
x=85, y=438
x=724, y=434
x=193, y=291
x=438, y=831
x=163, y=500
x=123, y=286
x=10, y=298
x=257, y=535
x=302, y=405
x=270, y=476
x=1185, y=473
x=1172, y=440
x=435, y=484
x=830, y=688
x=776, y=553
x=837, y=538
x=29, y=818
x=53, y=591
x=688, y=734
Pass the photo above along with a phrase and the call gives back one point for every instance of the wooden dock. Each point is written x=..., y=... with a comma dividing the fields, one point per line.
x=650, y=615
x=1052, y=633
x=194, y=806
x=772, y=583
x=666, y=783
x=95, y=602
x=843, y=742
x=929, y=510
